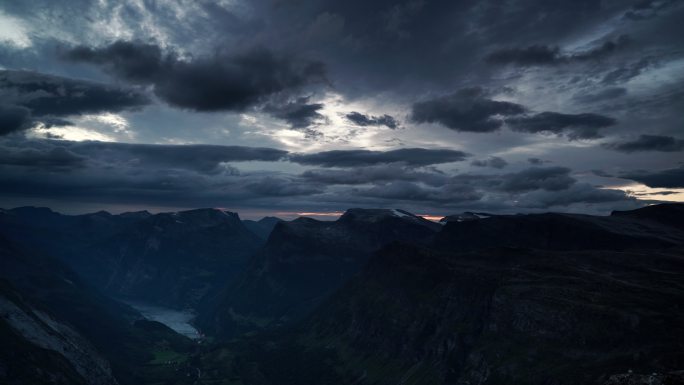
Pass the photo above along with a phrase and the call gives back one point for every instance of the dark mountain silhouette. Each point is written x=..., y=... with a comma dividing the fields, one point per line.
x=556, y=307
x=375, y=297
x=303, y=262
x=644, y=228
x=173, y=259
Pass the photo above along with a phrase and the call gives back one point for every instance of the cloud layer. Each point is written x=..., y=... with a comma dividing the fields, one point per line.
x=430, y=105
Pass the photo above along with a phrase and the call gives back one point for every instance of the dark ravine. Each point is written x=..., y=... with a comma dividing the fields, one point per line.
x=263, y=227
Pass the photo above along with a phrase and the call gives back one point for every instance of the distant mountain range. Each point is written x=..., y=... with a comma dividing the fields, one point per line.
x=379, y=296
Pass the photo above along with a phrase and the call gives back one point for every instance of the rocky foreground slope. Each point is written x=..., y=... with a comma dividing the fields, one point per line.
x=58, y=330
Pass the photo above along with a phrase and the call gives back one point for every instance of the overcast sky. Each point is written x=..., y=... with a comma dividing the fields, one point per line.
x=282, y=107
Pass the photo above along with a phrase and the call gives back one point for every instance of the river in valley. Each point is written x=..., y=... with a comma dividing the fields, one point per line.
x=178, y=320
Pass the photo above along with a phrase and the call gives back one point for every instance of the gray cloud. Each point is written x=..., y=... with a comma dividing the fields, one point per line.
x=583, y=193
x=466, y=110
x=355, y=158
x=575, y=126
x=33, y=97
x=626, y=72
x=56, y=158
x=220, y=82
x=409, y=191
x=548, y=55
x=13, y=118
x=493, y=162
x=537, y=178
x=282, y=187
x=198, y=176
x=375, y=174
x=379, y=54
x=370, y=120
x=669, y=178
x=299, y=113
x=648, y=143
x=201, y=158
x=604, y=94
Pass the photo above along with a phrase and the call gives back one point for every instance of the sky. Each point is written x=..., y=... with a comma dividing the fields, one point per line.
x=277, y=107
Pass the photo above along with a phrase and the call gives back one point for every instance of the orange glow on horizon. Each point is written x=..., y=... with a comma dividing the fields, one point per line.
x=434, y=218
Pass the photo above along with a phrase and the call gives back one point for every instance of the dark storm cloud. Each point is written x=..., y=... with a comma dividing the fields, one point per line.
x=493, y=162
x=626, y=72
x=200, y=157
x=574, y=126
x=469, y=110
x=538, y=188
x=647, y=9
x=208, y=159
x=299, y=113
x=537, y=178
x=532, y=55
x=669, y=178
x=408, y=191
x=191, y=175
x=465, y=110
x=282, y=187
x=536, y=161
x=355, y=158
x=388, y=53
x=55, y=158
x=648, y=143
x=33, y=97
x=133, y=61
x=48, y=95
x=370, y=120
x=13, y=118
x=375, y=174
x=548, y=55
x=583, y=193
x=218, y=83
x=605, y=94
x=148, y=174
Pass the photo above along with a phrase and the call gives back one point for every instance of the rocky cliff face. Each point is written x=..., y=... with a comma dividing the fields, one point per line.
x=39, y=348
x=60, y=330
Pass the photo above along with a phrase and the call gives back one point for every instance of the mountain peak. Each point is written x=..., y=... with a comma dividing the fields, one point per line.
x=359, y=214
x=465, y=216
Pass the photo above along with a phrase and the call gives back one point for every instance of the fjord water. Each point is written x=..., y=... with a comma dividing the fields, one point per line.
x=178, y=320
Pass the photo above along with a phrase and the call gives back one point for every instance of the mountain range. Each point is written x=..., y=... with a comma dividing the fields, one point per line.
x=378, y=296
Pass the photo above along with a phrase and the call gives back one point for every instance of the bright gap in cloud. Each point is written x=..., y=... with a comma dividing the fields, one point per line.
x=643, y=192
x=13, y=31
x=73, y=133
